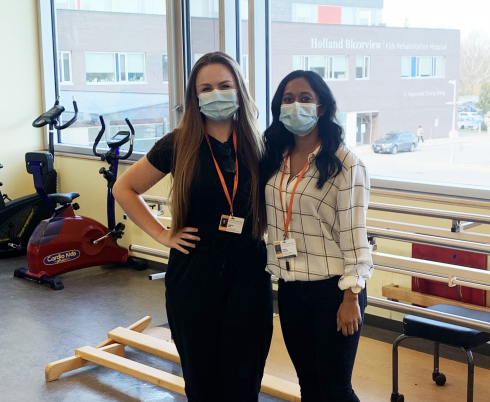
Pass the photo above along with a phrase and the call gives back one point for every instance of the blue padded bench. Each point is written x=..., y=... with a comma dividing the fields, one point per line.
x=440, y=332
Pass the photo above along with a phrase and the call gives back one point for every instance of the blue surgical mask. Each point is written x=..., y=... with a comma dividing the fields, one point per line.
x=218, y=105
x=299, y=118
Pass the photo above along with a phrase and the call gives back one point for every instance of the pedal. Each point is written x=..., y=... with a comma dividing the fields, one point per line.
x=15, y=246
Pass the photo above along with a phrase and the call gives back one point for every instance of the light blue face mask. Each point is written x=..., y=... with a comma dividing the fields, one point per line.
x=299, y=118
x=218, y=105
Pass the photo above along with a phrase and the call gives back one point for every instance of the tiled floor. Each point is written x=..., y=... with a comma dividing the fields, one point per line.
x=39, y=325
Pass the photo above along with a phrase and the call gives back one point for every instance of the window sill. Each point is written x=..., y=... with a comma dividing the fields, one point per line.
x=378, y=183
x=421, y=78
x=117, y=83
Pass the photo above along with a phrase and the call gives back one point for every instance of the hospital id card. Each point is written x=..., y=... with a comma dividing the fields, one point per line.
x=285, y=249
x=231, y=224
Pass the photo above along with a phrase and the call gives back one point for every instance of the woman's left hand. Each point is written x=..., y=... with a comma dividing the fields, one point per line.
x=349, y=314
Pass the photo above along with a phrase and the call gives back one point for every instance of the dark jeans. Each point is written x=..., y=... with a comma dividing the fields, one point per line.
x=323, y=358
x=219, y=308
x=420, y=138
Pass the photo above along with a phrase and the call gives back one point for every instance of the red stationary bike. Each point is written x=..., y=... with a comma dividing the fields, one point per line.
x=68, y=242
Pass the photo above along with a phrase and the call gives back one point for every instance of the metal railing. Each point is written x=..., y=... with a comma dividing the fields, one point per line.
x=453, y=275
x=462, y=245
x=430, y=314
x=470, y=220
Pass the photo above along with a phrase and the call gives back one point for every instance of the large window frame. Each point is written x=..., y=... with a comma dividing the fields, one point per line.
x=326, y=69
x=416, y=67
x=177, y=56
x=363, y=67
x=62, y=68
x=259, y=28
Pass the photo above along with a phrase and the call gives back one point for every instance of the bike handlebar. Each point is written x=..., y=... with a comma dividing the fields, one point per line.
x=99, y=136
x=131, y=139
x=73, y=120
x=52, y=115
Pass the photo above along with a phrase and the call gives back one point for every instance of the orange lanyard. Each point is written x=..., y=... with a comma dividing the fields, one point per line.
x=223, y=183
x=290, y=209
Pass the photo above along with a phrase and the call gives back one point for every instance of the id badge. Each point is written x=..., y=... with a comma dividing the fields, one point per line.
x=231, y=224
x=285, y=249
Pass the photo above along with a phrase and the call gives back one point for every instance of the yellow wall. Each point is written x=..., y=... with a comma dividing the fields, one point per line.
x=20, y=100
x=82, y=176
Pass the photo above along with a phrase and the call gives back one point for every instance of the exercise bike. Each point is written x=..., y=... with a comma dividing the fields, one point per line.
x=68, y=242
x=19, y=217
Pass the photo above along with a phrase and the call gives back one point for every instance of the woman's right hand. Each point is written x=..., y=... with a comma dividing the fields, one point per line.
x=179, y=240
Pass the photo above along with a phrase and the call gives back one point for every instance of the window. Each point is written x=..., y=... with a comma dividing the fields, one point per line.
x=165, y=67
x=115, y=67
x=348, y=16
x=66, y=4
x=362, y=67
x=338, y=67
x=128, y=6
x=244, y=65
x=365, y=17
x=305, y=13
x=204, y=8
x=131, y=67
x=328, y=67
x=422, y=67
x=158, y=7
x=100, y=67
x=93, y=5
x=155, y=7
x=64, y=67
x=318, y=65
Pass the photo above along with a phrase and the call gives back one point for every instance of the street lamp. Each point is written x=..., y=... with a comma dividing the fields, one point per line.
x=453, y=131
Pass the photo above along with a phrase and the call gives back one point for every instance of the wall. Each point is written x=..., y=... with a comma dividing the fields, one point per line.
x=20, y=103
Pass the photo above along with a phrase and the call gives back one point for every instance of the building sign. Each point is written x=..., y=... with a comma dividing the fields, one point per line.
x=428, y=94
x=324, y=43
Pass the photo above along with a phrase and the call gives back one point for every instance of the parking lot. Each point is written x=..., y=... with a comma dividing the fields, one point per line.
x=432, y=160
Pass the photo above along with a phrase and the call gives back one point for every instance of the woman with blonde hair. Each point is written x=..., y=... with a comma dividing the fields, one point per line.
x=219, y=296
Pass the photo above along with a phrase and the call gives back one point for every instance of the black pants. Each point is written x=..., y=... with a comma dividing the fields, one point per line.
x=323, y=358
x=419, y=138
x=219, y=307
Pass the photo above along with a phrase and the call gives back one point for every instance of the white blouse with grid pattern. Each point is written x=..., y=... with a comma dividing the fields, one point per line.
x=328, y=224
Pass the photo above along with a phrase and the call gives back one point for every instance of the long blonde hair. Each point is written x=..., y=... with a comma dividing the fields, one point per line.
x=190, y=134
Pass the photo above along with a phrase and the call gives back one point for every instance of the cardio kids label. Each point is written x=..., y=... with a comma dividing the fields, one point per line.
x=60, y=258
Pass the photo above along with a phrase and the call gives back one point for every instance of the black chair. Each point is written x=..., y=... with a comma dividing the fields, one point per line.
x=440, y=332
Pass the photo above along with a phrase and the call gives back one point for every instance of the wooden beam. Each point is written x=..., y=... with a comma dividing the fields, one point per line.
x=270, y=385
x=394, y=292
x=132, y=368
x=145, y=343
x=280, y=388
x=54, y=370
x=138, y=326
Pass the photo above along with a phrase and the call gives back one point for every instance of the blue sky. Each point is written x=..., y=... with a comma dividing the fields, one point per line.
x=453, y=14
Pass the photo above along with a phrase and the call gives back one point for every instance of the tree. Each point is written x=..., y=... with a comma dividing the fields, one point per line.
x=484, y=100
x=475, y=62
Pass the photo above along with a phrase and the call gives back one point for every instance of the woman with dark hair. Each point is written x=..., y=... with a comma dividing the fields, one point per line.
x=317, y=194
x=219, y=296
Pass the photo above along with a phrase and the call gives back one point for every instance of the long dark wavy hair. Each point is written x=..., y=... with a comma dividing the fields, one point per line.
x=190, y=134
x=278, y=139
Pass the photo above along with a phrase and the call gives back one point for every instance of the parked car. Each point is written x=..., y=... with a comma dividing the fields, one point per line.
x=470, y=122
x=467, y=115
x=396, y=141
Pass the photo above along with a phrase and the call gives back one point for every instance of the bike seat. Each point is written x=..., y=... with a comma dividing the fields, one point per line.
x=63, y=198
